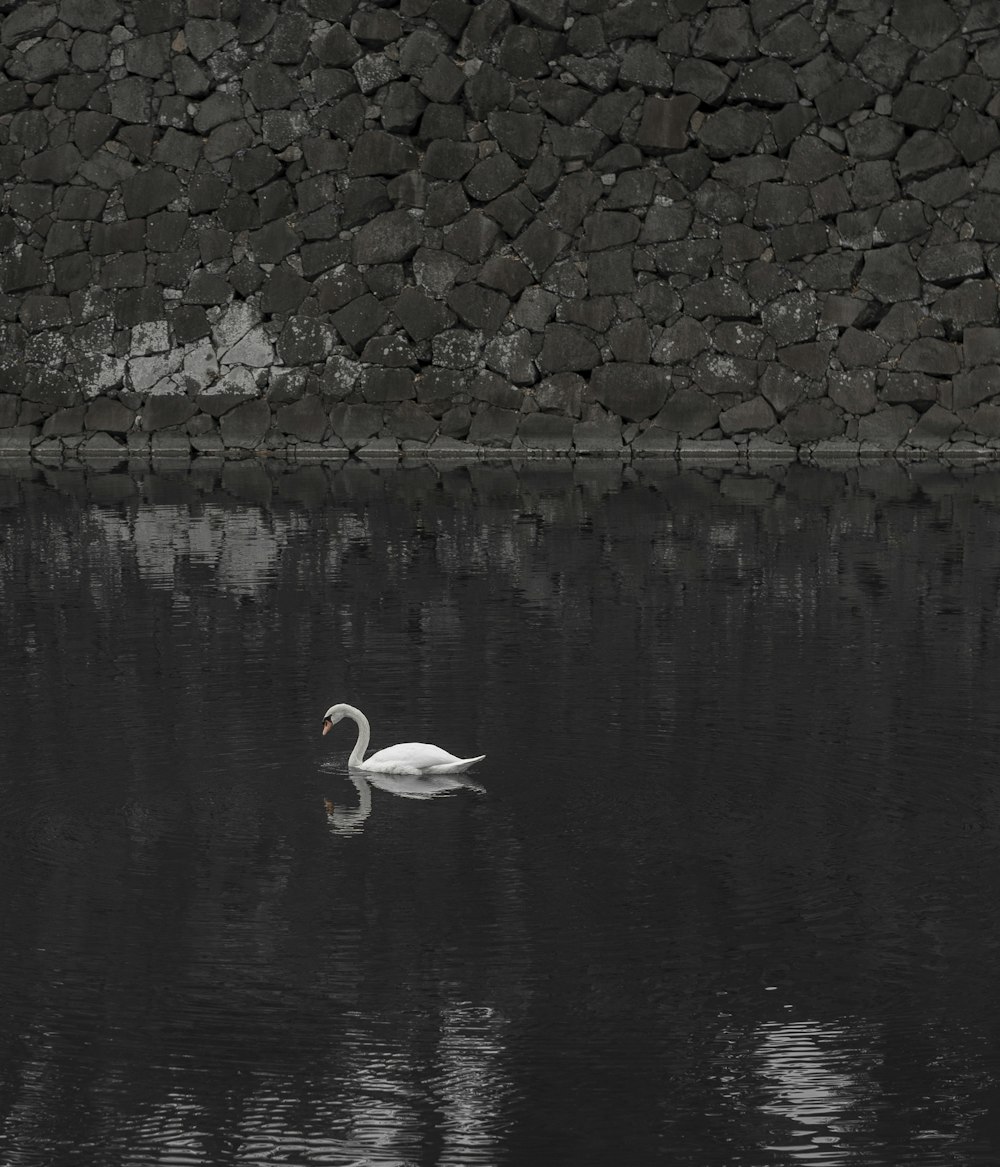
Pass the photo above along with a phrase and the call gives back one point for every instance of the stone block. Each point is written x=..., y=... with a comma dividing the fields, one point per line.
x=924, y=152
x=764, y=82
x=890, y=274
x=909, y=388
x=245, y=426
x=437, y=388
x=378, y=152
x=688, y=412
x=854, y=390
x=981, y=346
x=153, y=16
x=472, y=237
x=512, y=355
x=305, y=419
x=873, y=184
x=843, y=98
x=493, y=427
x=874, y=138
x=354, y=424
x=304, y=340
x=539, y=245
x=665, y=123
x=478, y=307
x=924, y=23
x=901, y=222
x=443, y=81
x=812, y=421
x=22, y=269
x=402, y=108
x=753, y=414
x=165, y=412
x=779, y=204
x=336, y=47
x=975, y=135
x=732, y=131
x=597, y=437
x=456, y=348
x=373, y=71
x=858, y=348
x=58, y=165
x=939, y=358
x=170, y=444
x=921, y=106
x=519, y=134
x=943, y=189
x=723, y=372
x=562, y=393
x=269, y=86
x=656, y=442
x=490, y=178
x=378, y=385
x=811, y=160
x=972, y=387
x=971, y=302
x=62, y=423
x=360, y=319
x=546, y=431
x=951, y=262
x=791, y=318
x=17, y=439
x=727, y=35
x=933, y=428
x=634, y=392
x=411, y=422
x=42, y=312
x=25, y=22
x=610, y=273
x=567, y=349
x=109, y=415
x=718, y=296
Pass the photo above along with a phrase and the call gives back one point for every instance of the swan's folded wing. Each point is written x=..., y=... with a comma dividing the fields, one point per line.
x=454, y=767
x=414, y=758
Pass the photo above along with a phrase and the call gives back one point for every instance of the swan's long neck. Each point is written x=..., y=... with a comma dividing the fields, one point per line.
x=364, y=735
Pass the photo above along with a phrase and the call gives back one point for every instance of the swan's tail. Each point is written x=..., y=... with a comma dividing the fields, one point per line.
x=455, y=767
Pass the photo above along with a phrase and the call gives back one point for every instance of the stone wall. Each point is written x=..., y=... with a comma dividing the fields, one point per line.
x=320, y=226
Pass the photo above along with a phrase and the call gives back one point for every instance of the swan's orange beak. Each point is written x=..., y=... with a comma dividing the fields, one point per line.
x=327, y=726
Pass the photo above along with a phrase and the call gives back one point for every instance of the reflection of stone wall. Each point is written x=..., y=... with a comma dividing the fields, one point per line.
x=559, y=225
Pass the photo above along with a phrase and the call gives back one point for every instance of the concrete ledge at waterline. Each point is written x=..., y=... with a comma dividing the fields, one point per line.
x=441, y=447
x=760, y=449
x=597, y=440
x=720, y=449
x=317, y=452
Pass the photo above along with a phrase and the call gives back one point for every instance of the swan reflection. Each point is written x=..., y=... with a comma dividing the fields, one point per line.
x=350, y=820
x=817, y=1077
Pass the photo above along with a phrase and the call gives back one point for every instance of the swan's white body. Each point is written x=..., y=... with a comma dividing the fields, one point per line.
x=407, y=758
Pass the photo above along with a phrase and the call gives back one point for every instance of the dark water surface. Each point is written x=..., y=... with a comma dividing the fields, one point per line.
x=728, y=894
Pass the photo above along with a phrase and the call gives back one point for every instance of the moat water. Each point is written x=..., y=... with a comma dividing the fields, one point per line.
x=723, y=891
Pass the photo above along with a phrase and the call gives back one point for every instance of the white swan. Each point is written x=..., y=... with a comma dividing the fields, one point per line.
x=408, y=758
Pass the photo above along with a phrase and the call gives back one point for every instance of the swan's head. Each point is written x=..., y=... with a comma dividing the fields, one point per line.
x=334, y=714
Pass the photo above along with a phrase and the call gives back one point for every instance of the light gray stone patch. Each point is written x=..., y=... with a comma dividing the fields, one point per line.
x=146, y=372
x=201, y=365
x=254, y=349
